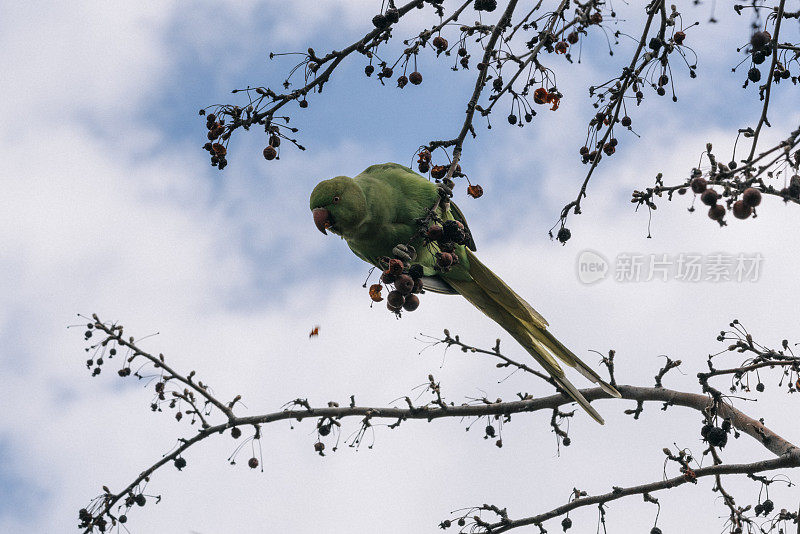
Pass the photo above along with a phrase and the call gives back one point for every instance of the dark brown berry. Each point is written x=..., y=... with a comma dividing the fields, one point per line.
x=411, y=303
x=319, y=447
x=440, y=43
x=751, y=197
x=626, y=121
x=716, y=212
x=699, y=185
x=380, y=21
x=404, y=284
x=435, y=232
x=236, y=432
x=444, y=259
x=392, y=15
x=253, y=462
x=396, y=266
x=741, y=210
x=395, y=300
x=760, y=39
x=415, y=78
x=402, y=81
x=475, y=191
x=387, y=277
x=709, y=197
x=679, y=37
x=572, y=38
x=270, y=153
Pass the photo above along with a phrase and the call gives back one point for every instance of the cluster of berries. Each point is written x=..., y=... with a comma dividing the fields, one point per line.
x=271, y=151
x=447, y=237
x=407, y=282
x=440, y=171
x=216, y=129
x=485, y=5
x=716, y=436
x=742, y=208
x=761, y=48
x=415, y=78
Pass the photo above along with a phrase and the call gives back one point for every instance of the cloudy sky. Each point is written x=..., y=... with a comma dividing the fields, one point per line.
x=110, y=207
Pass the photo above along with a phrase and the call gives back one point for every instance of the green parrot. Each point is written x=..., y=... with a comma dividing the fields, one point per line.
x=380, y=208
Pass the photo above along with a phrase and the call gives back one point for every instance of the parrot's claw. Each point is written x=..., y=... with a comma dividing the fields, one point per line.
x=446, y=189
x=406, y=253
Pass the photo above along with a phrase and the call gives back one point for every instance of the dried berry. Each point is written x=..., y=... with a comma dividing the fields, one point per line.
x=454, y=231
x=572, y=38
x=415, y=271
x=368, y=70
x=444, y=260
x=396, y=266
x=699, y=185
x=716, y=212
x=180, y=463
x=418, y=286
x=415, y=78
x=475, y=191
x=380, y=21
x=392, y=15
x=440, y=43
x=561, y=47
x=679, y=37
x=438, y=171
x=236, y=432
x=253, y=462
x=435, y=233
x=741, y=210
x=566, y=523
x=717, y=437
x=270, y=153
x=424, y=167
x=395, y=300
x=411, y=303
x=709, y=197
x=402, y=81
x=754, y=74
x=751, y=197
x=404, y=284
x=540, y=96
x=760, y=39
x=319, y=447
x=387, y=277
x=563, y=235
x=626, y=121
x=375, y=292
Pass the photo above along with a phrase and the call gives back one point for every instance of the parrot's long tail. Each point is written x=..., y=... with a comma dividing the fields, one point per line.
x=487, y=292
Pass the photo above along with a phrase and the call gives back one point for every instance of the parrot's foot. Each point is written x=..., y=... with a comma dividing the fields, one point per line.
x=407, y=253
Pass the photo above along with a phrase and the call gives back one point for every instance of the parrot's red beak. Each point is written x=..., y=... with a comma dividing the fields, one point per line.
x=322, y=219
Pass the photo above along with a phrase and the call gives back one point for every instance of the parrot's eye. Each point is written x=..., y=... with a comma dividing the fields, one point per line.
x=335, y=200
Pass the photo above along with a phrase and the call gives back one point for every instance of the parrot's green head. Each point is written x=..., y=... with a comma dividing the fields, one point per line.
x=338, y=205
